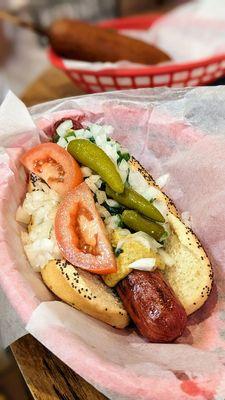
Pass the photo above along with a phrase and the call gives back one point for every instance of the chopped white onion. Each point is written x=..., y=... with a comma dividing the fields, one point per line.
x=144, y=264
x=93, y=182
x=91, y=185
x=99, y=183
x=36, y=199
x=80, y=132
x=101, y=141
x=40, y=252
x=112, y=222
x=40, y=244
x=86, y=172
x=64, y=127
x=124, y=232
x=136, y=180
x=112, y=203
x=96, y=129
x=102, y=211
x=40, y=231
x=162, y=180
x=87, y=135
x=151, y=193
x=95, y=178
x=123, y=169
x=62, y=142
x=146, y=240
x=83, y=134
x=101, y=196
x=162, y=207
x=46, y=209
x=22, y=215
x=140, y=185
x=111, y=151
x=70, y=138
x=33, y=201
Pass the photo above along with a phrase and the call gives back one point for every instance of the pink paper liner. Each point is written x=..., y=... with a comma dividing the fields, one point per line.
x=87, y=364
x=114, y=379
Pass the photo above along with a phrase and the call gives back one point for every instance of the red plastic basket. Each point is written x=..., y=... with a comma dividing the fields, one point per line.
x=195, y=73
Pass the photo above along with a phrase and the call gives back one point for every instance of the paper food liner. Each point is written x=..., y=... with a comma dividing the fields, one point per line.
x=190, y=32
x=180, y=132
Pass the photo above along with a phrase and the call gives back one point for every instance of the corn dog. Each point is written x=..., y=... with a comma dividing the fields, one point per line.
x=79, y=40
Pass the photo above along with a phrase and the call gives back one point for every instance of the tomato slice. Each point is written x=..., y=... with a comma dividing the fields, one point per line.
x=81, y=234
x=54, y=165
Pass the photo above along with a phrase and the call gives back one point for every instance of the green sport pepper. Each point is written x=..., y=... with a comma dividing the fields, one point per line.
x=131, y=199
x=138, y=223
x=94, y=157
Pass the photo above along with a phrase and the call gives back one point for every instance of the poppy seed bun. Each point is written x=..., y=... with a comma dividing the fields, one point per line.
x=85, y=292
x=191, y=275
x=79, y=288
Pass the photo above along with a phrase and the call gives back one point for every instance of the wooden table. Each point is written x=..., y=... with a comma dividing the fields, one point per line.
x=52, y=84
x=47, y=377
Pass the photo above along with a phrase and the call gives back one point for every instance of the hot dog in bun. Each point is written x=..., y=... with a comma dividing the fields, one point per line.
x=106, y=239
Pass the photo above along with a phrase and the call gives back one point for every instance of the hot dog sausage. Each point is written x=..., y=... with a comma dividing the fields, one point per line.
x=152, y=305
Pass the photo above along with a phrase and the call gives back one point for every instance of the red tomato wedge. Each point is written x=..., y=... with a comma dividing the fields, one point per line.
x=54, y=165
x=81, y=234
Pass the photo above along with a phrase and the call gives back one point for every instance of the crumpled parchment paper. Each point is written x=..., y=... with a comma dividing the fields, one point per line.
x=180, y=132
x=192, y=31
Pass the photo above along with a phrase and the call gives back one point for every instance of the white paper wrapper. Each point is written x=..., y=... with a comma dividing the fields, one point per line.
x=191, y=32
x=180, y=132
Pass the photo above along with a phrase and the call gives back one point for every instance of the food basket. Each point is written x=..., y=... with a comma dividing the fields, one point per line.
x=171, y=131
x=181, y=74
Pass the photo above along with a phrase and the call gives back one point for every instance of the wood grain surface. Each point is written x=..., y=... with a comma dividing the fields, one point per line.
x=47, y=377
x=51, y=85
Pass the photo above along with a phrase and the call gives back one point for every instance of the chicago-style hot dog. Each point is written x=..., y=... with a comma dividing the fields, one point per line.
x=99, y=227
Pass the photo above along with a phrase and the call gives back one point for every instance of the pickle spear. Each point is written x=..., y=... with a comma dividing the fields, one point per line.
x=133, y=200
x=92, y=156
x=138, y=223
